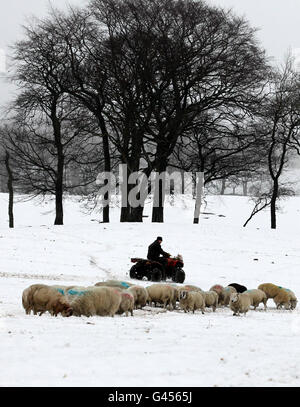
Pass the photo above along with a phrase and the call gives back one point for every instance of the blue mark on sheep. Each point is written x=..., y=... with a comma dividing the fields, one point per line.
x=124, y=284
x=248, y=291
x=75, y=292
x=60, y=290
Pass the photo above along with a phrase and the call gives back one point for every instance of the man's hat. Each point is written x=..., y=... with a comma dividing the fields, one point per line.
x=159, y=238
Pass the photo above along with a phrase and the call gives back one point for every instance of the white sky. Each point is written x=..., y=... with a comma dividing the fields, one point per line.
x=278, y=22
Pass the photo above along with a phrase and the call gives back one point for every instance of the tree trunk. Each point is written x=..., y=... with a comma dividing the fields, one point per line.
x=159, y=196
x=273, y=203
x=130, y=213
x=245, y=188
x=223, y=186
x=107, y=168
x=10, y=191
x=59, y=218
x=199, y=194
x=59, y=182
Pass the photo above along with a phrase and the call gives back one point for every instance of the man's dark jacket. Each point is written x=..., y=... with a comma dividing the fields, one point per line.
x=155, y=250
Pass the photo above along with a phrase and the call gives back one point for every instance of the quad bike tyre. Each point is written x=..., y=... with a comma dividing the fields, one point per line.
x=179, y=276
x=133, y=273
x=155, y=275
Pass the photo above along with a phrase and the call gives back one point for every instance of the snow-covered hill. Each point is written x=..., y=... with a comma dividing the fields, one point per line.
x=153, y=348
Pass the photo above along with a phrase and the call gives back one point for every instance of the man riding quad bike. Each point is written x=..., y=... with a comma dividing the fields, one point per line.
x=159, y=265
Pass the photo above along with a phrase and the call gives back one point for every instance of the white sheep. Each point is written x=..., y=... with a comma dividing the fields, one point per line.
x=27, y=304
x=257, y=296
x=239, y=303
x=226, y=293
x=41, y=298
x=193, y=288
x=160, y=293
x=126, y=304
x=188, y=288
x=140, y=295
x=191, y=301
x=218, y=288
x=292, y=298
x=124, y=285
x=97, y=301
x=211, y=299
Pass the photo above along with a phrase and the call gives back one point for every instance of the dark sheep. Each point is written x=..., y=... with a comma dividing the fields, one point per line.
x=239, y=288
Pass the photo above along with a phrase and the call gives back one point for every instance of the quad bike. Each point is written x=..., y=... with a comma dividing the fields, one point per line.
x=154, y=271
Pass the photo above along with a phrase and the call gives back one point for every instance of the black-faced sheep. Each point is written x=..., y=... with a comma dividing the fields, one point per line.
x=239, y=288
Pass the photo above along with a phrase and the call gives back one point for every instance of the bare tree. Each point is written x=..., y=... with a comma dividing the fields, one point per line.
x=280, y=126
x=48, y=122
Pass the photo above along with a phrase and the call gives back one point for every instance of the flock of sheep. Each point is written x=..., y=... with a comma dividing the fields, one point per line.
x=117, y=297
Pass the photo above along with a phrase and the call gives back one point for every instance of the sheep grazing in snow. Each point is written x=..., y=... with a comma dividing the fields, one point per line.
x=191, y=301
x=140, y=295
x=101, y=301
x=126, y=304
x=41, y=298
x=226, y=293
x=160, y=293
x=193, y=288
x=257, y=296
x=218, y=288
x=176, y=294
x=124, y=285
x=281, y=296
x=293, y=298
x=25, y=300
x=271, y=290
x=239, y=303
x=239, y=288
x=211, y=299
x=60, y=288
x=282, y=299
x=289, y=301
x=188, y=288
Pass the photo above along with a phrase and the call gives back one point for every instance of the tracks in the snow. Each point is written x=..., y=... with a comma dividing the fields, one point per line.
x=27, y=276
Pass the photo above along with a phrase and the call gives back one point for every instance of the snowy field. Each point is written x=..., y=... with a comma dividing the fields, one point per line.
x=153, y=348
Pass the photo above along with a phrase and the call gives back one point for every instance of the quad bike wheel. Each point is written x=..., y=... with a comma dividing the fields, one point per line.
x=133, y=272
x=155, y=275
x=179, y=276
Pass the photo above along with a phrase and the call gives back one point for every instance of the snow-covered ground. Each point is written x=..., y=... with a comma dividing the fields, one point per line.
x=153, y=348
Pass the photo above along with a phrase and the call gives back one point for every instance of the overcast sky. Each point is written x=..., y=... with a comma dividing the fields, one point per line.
x=277, y=21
